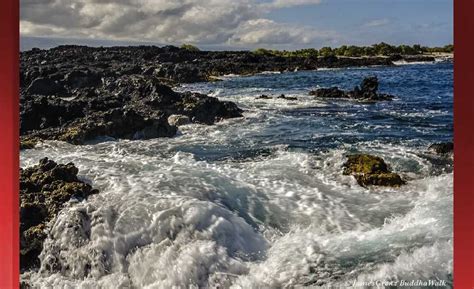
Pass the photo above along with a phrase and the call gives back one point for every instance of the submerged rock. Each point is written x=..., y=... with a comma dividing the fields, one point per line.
x=282, y=96
x=366, y=91
x=371, y=170
x=444, y=148
x=44, y=189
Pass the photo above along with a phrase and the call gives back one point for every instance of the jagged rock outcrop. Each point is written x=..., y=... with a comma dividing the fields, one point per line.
x=367, y=91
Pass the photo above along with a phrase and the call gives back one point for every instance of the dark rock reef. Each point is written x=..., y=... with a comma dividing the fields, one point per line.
x=44, y=189
x=366, y=91
x=173, y=63
x=371, y=170
x=77, y=94
x=444, y=148
x=413, y=58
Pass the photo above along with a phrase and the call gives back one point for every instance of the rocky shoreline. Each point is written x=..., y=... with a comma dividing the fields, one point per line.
x=72, y=106
x=77, y=93
x=173, y=64
x=44, y=190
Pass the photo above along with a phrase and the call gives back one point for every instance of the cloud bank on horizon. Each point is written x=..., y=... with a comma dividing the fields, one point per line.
x=226, y=23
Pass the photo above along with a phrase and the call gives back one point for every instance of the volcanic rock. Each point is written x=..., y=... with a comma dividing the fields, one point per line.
x=371, y=170
x=444, y=148
x=263, y=96
x=123, y=107
x=366, y=91
x=332, y=92
x=44, y=189
x=178, y=120
x=46, y=86
x=282, y=96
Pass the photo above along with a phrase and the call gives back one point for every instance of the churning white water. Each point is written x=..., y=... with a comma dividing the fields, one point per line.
x=258, y=202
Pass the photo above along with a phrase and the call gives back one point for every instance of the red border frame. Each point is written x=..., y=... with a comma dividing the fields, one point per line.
x=464, y=144
x=9, y=143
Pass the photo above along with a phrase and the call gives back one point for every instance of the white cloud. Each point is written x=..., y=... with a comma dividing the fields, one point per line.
x=290, y=3
x=377, y=22
x=165, y=21
x=267, y=32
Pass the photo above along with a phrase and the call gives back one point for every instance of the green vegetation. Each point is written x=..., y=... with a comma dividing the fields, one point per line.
x=380, y=49
x=190, y=47
x=310, y=52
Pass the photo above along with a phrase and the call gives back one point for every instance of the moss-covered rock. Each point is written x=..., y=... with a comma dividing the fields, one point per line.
x=44, y=189
x=28, y=143
x=371, y=170
x=382, y=179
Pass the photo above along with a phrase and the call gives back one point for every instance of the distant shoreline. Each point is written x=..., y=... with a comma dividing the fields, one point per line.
x=188, y=64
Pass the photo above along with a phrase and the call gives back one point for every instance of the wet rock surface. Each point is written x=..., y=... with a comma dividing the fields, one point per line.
x=178, y=120
x=282, y=96
x=444, y=148
x=367, y=91
x=371, y=170
x=77, y=94
x=44, y=189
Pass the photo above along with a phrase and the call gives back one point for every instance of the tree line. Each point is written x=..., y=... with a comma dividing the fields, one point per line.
x=380, y=49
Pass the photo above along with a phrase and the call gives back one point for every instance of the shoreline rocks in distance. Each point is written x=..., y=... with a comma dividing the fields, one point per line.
x=183, y=65
x=369, y=170
x=44, y=189
x=367, y=91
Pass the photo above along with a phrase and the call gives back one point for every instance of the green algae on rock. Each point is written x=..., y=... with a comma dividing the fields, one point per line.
x=28, y=143
x=44, y=189
x=371, y=170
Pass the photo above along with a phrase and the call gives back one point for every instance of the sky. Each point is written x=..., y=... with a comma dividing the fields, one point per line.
x=236, y=24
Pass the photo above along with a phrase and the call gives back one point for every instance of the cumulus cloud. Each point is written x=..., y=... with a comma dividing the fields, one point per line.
x=165, y=21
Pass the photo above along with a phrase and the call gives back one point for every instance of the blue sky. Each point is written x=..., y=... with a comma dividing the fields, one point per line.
x=429, y=22
x=236, y=24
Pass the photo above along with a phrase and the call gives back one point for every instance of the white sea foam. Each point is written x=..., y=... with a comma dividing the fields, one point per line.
x=404, y=62
x=167, y=219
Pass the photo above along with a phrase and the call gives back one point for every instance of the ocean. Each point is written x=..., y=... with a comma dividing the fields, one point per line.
x=261, y=201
